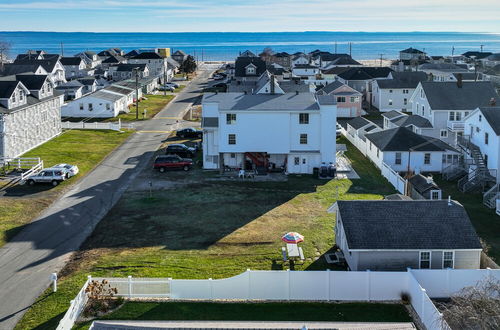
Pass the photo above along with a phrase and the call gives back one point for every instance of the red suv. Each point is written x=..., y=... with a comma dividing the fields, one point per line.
x=172, y=162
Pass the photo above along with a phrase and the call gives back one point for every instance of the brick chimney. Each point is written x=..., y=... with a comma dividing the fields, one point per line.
x=273, y=89
x=493, y=102
x=460, y=82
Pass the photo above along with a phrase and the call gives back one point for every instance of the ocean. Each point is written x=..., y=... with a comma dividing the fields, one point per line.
x=210, y=46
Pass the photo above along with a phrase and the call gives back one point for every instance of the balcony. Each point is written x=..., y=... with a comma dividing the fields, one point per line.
x=456, y=126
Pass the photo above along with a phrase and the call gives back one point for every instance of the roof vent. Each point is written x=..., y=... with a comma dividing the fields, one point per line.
x=449, y=200
x=296, y=92
x=493, y=101
x=459, y=80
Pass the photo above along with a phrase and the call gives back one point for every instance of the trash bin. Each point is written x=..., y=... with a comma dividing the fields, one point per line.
x=316, y=172
x=323, y=171
x=331, y=170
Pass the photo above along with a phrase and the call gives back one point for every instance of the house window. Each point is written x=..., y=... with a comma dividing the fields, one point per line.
x=425, y=260
x=21, y=95
x=398, y=158
x=427, y=158
x=296, y=161
x=480, y=117
x=443, y=133
x=233, y=155
x=448, y=258
x=341, y=99
x=435, y=194
x=405, y=91
x=378, y=154
x=108, y=106
x=354, y=99
x=370, y=146
x=451, y=116
x=486, y=138
x=303, y=138
x=303, y=118
x=485, y=157
x=230, y=118
x=81, y=106
x=390, y=102
x=405, y=101
x=14, y=97
x=423, y=110
x=231, y=139
x=91, y=107
x=390, y=90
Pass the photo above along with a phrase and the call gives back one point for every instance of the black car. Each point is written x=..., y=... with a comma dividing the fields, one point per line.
x=189, y=133
x=181, y=149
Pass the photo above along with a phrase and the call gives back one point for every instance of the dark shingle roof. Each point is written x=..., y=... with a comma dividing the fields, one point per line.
x=358, y=122
x=48, y=65
x=130, y=67
x=365, y=73
x=331, y=87
x=412, y=51
x=242, y=62
x=403, y=80
x=32, y=81
x=11, y=68
x=401, y=225
x=277, y=102
x=421, y=184
x=415, y=120
x=448, y=96
x=147, y=56
x=403, y=139
x=88, y=81
x=114, y=59
x=492, y=115
x=70, y=60
x=7, y=87
x=392, y=114
x=477, y=55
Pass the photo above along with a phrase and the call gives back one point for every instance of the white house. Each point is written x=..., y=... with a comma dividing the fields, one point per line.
x=157, y=65
x=412, y=54
x=30, y=113
x=482, y=127
x=402, y=150
x=91, y=59
x=305, y=71
x=74, y=67
x=299, y=59
x=101, y=104
x=355, y=132
x=394, y=93
x=442, y=71
x=128, y=71
x=389, y=235
x=446, y=104
x=292, y=131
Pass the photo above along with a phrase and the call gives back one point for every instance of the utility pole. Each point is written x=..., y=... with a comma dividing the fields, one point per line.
x=482, y=48
x=164, y=80
x=452, y=51
x=335, y=47
x=136, y=70
x=350, y=49
x=381, y=59
x=62, y=49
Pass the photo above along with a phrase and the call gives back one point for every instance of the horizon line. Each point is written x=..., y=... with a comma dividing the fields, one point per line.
x=291, y=31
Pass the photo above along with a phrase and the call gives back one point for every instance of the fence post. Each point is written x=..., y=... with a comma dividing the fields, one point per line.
x=53, y=277
x=448, y=290
x=249, y=284
x=130, y=286
x=210, y=283
x=289, y=284
x=423, y=305
x=368, y=284
x=328, y=284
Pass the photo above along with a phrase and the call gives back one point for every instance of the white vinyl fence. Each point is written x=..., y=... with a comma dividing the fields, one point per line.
x=84, y=125
x=394, y=178
x=327, y=285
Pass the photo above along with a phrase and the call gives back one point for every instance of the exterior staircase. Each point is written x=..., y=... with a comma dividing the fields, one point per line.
x=490, y=197
x=481, y=177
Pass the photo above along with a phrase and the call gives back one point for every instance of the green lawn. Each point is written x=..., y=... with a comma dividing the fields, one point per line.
x=153, y=105
x=83, y=148
x=209, y=229
x=485, y=221
x=344, y=312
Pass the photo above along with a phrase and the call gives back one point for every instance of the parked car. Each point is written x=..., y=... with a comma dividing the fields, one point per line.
x=338, y=130
x=170, y=83
x=166, y=88
x=189, y=132
x=181, y=149
x=72, y=169
x=50, y=175
x=218, y=76
x=220, y=85
x=172, y=162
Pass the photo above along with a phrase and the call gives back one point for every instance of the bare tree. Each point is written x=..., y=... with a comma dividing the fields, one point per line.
x=475, y=307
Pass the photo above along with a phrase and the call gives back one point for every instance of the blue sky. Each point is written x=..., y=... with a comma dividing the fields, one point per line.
x=252, y=15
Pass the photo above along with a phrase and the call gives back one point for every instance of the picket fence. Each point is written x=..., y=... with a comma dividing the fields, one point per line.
x=84, y=125
x=420, y=285
x=394, y=178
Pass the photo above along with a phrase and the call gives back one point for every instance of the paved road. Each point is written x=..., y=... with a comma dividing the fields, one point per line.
x=44, y=246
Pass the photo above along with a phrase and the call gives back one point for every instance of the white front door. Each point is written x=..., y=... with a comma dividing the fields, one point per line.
x=304, y=164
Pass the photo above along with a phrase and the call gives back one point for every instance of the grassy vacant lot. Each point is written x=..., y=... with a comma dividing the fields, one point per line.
x=83, y=148
x=209, y=229
x=485, y=221
x=153, y=105
x=346, y=312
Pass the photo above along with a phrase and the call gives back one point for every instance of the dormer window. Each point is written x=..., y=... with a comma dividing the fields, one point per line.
x=14, y=97
x=21, y=95
x=251, y=69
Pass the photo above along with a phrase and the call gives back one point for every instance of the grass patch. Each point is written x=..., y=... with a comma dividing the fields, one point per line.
x=153, y=105
x=332, y=312
x=211, y=229
x=83, y=148
x=485, y=221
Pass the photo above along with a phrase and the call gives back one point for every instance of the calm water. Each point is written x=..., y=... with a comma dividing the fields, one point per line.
x=225, y=46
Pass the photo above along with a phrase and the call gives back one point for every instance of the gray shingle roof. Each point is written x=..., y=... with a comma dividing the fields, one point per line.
x=415, y=120
x=421, y=184
x=331, y=87
x=147, y=56
x=106, y=96
x=32, y=81
x=70, y=60
x=448, y=96
x=401, y=225
x=492, y=115
x=358, y=122
x=392, y=114
x=403, y=139
x=446, y=67
x=412, y=50
x=403, y=80
x=11, y=68
x=240, y=101
x=7, y=87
